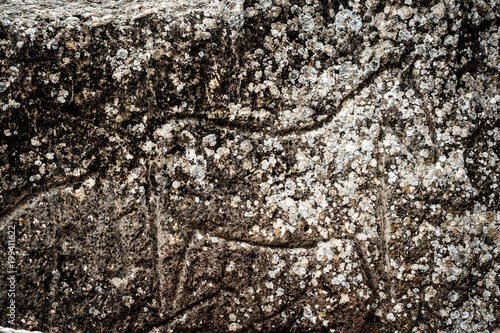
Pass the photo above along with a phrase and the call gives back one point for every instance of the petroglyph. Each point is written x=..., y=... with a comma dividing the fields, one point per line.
x=263, y=166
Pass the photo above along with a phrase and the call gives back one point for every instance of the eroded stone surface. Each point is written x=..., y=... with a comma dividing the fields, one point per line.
x=268, y=166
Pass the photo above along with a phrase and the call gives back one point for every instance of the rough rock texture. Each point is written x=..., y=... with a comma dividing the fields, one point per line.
x=267, y=166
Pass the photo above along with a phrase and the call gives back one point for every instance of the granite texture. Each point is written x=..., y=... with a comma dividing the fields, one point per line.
x=266, y=166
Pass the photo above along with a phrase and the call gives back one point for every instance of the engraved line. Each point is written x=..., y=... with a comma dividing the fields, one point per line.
x=179, y=313
x=180, y=278
x=383, y=220
x=46, y=190
x=252, y=128
x=371, y=275
x=257, y=244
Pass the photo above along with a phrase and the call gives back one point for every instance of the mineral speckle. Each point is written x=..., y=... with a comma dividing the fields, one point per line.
x=266, y=166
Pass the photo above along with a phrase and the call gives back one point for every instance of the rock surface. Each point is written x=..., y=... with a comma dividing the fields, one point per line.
x=267, y=166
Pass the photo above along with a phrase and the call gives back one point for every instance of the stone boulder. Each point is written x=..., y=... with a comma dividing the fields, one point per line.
x=257, y=166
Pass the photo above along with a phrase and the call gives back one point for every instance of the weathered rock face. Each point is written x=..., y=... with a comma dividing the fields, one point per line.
x=323, y=166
